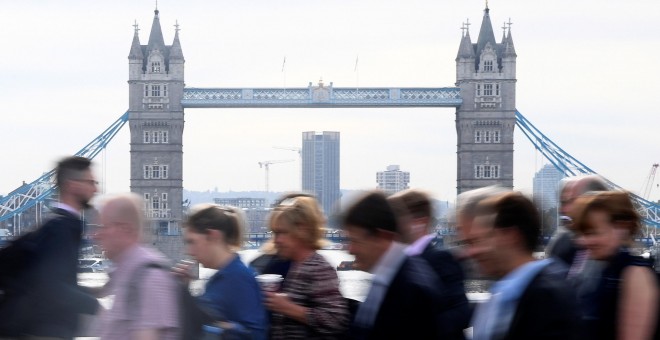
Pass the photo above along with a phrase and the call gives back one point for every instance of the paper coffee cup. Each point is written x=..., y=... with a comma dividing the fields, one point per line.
x=270, y=282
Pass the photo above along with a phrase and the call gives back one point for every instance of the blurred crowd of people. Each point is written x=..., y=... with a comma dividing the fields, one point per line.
x=589, y=285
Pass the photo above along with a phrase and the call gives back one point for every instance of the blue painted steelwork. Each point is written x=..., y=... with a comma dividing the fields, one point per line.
x=570, y=166
x=320, y=96
x=40, y=190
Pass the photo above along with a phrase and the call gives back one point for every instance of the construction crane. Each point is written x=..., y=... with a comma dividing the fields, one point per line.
x=646, y=189
x=299, y=151
x=266, y=166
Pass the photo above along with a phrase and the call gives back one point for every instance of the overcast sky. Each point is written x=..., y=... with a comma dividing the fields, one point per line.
x=587, y=77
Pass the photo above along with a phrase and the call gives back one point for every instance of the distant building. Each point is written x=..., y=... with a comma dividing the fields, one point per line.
x=546, y=182
x=256, y=212
x=393, y=179
x=320, y=167
x=242, y=202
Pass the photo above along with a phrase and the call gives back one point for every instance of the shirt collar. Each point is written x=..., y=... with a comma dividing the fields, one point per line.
x=66, y=207
x=418, y=246
x=513, y=284
x=388, y=265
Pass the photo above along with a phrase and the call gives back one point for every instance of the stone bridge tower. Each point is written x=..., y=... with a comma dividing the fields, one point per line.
x=155, y=85
x=486, y=76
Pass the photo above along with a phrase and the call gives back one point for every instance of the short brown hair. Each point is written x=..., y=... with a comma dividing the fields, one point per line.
x=617, y=204
x=514, y=210
x=417, y=202
x=305, y=218
x=228, y=220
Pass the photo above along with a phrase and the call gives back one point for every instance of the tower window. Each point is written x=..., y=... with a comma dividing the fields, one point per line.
x=487, y=136
x=155, y=90
x=155, y=172
x=147, y=171
x=478, y=90
x=164, y=196
x=488, y=89
x=164, y=171
x=477, y=136
x=147, y=137
x=488, y=65
x=496, y=136
x=156, y=136
x=146, y=90
x=155, y=66
x=165, y=138
x=486, y=171
x=497, y=89
x=164, y=90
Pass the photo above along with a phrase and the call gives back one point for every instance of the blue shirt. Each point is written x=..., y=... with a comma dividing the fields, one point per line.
x=233, y=294
x=492, y=319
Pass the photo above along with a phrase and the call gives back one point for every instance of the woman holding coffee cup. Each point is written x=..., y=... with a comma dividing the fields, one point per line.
x=212, y=235
x=310, y=305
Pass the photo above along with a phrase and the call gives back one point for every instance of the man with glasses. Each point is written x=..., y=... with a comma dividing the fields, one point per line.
x=51, y=280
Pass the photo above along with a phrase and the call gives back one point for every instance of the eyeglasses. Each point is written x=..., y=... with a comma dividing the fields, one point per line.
x=89, y=181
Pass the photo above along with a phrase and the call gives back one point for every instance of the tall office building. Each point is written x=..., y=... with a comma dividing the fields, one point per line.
x=546, y=182
x=393, y=179
x=320, y=167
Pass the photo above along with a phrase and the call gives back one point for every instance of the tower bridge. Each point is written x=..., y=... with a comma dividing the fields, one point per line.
x=483, y=96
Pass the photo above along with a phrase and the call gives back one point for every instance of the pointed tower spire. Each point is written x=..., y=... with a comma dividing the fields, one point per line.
x=136, y=50
x=175, y=50
x=466, y=49
x=509, y=49
x=156, y=36
x=486, y=34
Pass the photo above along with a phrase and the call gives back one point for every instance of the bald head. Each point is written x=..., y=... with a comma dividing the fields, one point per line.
x=575, y=187
x=125, y=208
x=121, y=218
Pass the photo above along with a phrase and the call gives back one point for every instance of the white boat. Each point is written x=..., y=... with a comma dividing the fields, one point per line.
x=93, y=265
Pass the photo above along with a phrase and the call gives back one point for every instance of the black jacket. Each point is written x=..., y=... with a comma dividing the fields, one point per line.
x=53, y=285
x=454, y=306
x=410, y=306
x=548, y=308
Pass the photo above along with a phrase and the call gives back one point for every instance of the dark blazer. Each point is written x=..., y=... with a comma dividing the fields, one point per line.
x=564, y=248
x=53, y=281
x=548, y=308
x=454, y=306
x=410, y=307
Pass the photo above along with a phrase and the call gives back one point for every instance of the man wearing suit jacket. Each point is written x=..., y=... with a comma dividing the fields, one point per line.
x=530, y=299
x=416, y=229
x=403, y=299
x=52, y=278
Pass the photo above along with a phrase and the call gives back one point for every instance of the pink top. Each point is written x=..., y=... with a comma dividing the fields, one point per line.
x=157, y=305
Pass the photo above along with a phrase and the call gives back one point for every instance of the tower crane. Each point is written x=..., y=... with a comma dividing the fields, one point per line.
x=266, y=166
x=646, y=189
x=299, y=151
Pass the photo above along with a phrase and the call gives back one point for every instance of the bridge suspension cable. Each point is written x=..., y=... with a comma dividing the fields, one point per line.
x=570, y=166
x=39, y=190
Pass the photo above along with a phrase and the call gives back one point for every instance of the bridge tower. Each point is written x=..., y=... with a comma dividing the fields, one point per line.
x=486, y=76
x=155, y=85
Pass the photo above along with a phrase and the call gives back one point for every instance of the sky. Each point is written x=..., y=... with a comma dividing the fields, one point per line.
x=587, y=77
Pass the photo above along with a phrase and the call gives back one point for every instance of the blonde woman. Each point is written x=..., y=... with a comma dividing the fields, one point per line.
x=310, y=305
x=212, y=235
